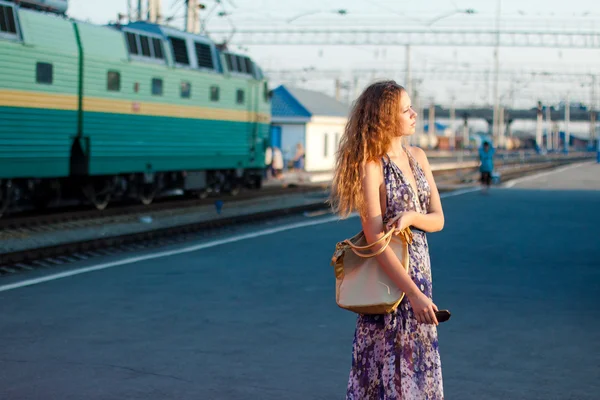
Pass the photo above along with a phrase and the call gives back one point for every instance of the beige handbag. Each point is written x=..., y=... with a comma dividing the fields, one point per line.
x=362, y=286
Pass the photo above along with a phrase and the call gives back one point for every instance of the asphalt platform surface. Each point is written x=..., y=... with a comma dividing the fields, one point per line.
x=256, y=318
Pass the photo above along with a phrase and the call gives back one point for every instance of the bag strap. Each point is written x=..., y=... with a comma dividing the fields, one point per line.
x=387, y=238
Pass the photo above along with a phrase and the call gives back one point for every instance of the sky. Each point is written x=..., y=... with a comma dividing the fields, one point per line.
x=516, y=91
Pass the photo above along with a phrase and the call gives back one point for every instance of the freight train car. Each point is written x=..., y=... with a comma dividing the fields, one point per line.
x=135, y=110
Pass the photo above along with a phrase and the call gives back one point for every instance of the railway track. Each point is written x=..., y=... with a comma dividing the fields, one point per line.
x=66, y=215
x=51, y=256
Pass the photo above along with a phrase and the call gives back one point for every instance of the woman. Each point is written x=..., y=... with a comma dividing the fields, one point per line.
x=394, y=356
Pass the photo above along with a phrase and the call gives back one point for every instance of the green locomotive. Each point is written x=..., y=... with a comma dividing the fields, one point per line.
x=123, y=111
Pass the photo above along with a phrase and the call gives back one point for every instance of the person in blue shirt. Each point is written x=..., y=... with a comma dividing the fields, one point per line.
x=486, y=157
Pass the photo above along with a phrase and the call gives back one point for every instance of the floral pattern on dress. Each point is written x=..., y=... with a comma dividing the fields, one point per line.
x=393, y=356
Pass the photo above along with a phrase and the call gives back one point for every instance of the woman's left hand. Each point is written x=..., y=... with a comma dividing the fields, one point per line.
x=402, y=221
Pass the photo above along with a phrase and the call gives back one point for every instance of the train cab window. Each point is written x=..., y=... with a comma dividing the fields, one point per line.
x=158, y=50
x=240, y=96
x=113, y=81
x=204, y=55
x=157, y=87
x=249, y=68
x=145, y=45
x=132, y=43
x=7, y=20
x=214, y=93
x=179, y=50
x=266, y=92
x=230, y=62
x=241, y=64
x=44, y=73
x=186, y=90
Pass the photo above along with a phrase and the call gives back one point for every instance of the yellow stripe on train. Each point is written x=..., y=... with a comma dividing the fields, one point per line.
x=16, y=98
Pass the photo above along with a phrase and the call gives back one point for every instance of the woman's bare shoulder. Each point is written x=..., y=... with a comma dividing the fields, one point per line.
x=372, y=170
x=419, y=154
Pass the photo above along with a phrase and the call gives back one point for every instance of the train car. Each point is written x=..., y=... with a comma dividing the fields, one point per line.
x=123, y=111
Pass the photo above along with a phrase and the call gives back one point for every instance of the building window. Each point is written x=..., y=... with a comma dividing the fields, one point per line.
x=186, y=90
x=157, y=87
x=113, y=81
x=325, y=143
x=44, y=73
x=214, y=93
x=240, y=96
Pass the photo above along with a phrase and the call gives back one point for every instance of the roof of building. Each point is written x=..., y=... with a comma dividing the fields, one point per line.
x=295, y=102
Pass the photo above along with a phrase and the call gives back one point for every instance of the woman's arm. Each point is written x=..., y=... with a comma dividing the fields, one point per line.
x=372, y=224
x=433, y=221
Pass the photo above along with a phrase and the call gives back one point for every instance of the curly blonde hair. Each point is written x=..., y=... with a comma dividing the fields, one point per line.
x=372, y=124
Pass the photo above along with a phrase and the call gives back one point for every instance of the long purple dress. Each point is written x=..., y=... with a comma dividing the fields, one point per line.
x=393, y=356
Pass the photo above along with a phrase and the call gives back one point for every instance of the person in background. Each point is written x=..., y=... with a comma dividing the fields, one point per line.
x=299, y=161
x=486, y=158
x=277, y=162
x=269, y=163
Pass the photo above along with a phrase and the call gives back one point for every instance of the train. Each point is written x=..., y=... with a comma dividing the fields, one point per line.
x=104, y=112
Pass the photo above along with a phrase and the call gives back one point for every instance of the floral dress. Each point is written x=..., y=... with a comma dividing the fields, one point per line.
x=394, y=356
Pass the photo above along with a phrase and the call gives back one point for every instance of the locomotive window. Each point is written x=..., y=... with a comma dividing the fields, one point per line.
x=157, y=87
x=157, y=45
x=229, y=62
x=241, y=65
x=204, y=55
x=214, y=93
x=7, y=20
x=186, y=90
x=44, y=73
x=145, y=45
x=249, y=68
x=266, y=92
x=132, y=43
x=113, y=81
x=179, y=51
x=240, y=96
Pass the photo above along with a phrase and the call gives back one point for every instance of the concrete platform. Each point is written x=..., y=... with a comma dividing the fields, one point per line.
x=256, y=318
x=581, y=176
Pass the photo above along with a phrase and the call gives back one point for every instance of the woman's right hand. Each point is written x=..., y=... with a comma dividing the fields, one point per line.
x=423, y=308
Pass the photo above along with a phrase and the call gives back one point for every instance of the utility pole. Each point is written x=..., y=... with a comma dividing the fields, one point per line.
x=593, y=111
x=431, y=124
x=452, y=121
x=496, y=73
x=548, y=128
x=192, y=16
x=567, y=120
x=538, y=127
x=154, y=12
x=408, y=73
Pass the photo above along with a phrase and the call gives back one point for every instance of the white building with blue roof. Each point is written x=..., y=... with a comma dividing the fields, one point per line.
x=311, y=118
